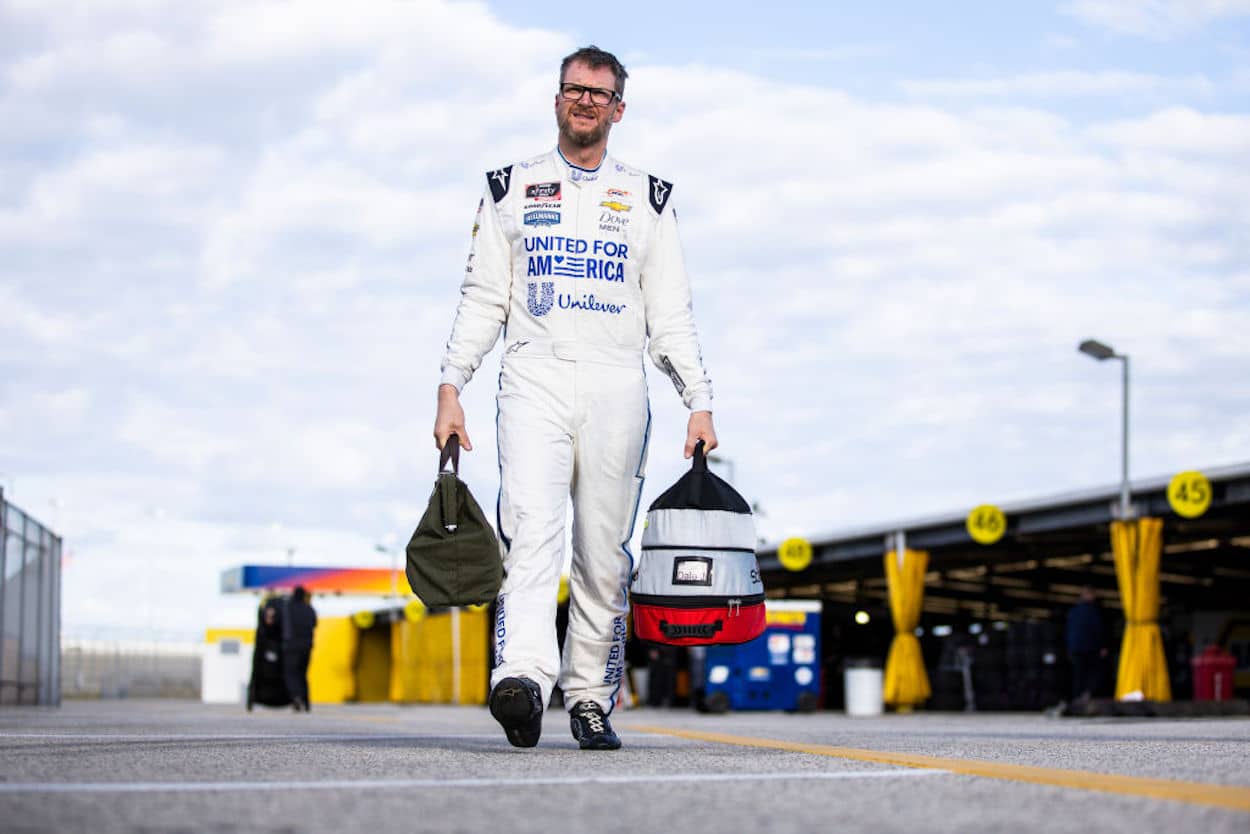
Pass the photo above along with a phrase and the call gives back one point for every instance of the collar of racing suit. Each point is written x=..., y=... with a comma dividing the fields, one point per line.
x=576, y=173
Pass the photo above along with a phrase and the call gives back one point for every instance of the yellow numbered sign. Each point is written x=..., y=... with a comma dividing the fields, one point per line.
x=363, y=620
x=795, y=554
x=986, y=524
x=1189, y=493
x=414, y=610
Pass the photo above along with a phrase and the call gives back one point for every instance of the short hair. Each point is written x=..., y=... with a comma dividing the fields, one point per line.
x=594, y=57
x=300, y=593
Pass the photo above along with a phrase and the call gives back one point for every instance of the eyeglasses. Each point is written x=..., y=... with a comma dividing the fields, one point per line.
x=598, y=96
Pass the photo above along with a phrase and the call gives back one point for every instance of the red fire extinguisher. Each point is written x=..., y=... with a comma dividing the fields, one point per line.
x=1213, y=675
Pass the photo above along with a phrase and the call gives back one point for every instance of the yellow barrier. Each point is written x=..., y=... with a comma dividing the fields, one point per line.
x=408, y=661
x=332, y=668
x=421, y=667
x=373, y=665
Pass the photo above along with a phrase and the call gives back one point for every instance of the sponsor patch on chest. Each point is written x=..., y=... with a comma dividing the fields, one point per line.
x=565, y=257
x=541, y=217
x=543, y=192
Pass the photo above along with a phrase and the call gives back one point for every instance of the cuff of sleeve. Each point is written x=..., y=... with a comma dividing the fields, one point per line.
x=701, y=402
x=454, y=376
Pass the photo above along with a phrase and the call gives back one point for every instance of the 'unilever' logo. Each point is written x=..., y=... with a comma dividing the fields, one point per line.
x=537, y=307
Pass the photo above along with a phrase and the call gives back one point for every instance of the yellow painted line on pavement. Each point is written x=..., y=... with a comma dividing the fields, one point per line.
x=1195, y=793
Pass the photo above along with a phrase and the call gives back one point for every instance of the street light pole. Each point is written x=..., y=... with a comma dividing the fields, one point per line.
x=1102, y=352
x=1125, y=506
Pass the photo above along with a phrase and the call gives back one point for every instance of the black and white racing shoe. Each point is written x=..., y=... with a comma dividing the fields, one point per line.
x=591, y=727
x=517, y=704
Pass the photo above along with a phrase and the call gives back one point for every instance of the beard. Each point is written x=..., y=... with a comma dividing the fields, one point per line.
x=586, y=138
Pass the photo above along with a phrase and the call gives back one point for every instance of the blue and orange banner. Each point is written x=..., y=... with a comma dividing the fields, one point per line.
x=317, y=580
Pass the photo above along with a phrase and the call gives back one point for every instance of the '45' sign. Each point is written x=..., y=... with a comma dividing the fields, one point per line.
x=1189, y=493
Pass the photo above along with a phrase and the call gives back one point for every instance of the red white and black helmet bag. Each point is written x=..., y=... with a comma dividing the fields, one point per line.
x=697, y=581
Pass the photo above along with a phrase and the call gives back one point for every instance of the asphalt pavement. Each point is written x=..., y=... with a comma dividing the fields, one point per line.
x=178, y=766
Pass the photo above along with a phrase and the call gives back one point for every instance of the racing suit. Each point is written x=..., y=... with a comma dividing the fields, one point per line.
x=580, y=267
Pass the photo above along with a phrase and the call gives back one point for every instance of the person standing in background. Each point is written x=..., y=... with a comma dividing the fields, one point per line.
x=298, y=623
x=1087, y=644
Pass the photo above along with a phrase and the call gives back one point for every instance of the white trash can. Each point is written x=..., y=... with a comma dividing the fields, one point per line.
x=863, y=683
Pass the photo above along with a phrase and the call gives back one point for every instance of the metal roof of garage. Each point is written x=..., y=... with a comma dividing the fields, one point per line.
x=1052, y=547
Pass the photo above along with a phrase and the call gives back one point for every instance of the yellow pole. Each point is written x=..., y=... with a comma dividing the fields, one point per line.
x=906, y=681
x=1137, y=547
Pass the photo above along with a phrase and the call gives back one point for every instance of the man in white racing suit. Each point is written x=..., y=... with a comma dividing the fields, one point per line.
x=577, y=257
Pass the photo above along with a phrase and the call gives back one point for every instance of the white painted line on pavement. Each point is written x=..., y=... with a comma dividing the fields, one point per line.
x=389, y=784
x=241, y=736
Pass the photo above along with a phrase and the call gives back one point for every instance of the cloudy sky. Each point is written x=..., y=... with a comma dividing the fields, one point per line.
x=232, y=236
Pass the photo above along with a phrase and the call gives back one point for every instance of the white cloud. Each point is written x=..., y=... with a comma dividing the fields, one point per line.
x=29, y=325
x=1182, y=131
x=1161, y=19
x=123, y=182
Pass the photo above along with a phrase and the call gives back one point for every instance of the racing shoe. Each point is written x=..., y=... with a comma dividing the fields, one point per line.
x=591, y=727
x=517, y=704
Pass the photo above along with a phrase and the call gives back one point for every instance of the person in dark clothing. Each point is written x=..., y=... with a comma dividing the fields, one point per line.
x=267, y=684
x=1087, y=644
x=298, y=623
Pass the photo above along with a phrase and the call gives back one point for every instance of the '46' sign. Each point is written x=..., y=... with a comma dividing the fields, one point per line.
x=986, y=524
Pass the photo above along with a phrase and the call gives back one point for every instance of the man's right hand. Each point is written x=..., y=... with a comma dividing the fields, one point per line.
x=450, y=419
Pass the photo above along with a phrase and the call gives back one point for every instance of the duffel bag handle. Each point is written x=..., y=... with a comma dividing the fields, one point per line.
x=700, y=459
x=699, y=464
x=450, y=452
x=447, y=486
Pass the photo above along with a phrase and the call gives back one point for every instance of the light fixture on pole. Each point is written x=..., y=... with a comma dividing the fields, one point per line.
x=1102, y=352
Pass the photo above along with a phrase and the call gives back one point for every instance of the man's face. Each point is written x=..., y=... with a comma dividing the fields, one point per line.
x=582, y=122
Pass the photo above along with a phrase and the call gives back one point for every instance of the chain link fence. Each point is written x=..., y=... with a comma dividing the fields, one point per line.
x=30, y=610
x=119, y=668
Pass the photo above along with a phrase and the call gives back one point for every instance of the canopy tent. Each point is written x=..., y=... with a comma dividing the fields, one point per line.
x=1143, y=668
x=906, y=682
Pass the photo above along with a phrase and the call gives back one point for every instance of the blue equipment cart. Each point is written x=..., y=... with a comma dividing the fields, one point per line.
x=780, y=669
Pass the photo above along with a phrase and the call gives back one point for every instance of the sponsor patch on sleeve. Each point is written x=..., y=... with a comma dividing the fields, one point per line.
x=658, y=192
x=678, y=382
x=499, y=181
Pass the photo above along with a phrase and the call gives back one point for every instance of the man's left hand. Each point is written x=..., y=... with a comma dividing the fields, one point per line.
x=700, y=428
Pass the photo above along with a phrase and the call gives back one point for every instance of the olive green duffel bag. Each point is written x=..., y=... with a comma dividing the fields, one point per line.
x=453, y=556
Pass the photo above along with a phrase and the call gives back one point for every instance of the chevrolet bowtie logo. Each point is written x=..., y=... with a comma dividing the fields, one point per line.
x=615, y=205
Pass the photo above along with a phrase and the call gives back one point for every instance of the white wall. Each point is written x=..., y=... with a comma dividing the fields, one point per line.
x=226, y=669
